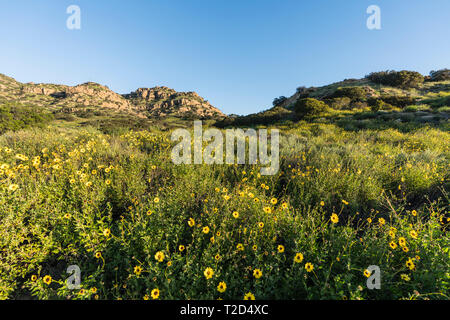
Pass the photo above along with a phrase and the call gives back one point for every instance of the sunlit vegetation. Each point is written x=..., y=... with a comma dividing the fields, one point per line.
x=140, y=227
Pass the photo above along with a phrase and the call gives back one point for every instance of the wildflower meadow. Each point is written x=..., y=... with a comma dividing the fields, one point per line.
x=137, y=226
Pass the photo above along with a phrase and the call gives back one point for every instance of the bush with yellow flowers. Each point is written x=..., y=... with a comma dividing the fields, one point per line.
x=140, y=227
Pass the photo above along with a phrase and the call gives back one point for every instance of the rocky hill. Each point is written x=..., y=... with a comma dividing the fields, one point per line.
x=163, y=101
x=143, y=103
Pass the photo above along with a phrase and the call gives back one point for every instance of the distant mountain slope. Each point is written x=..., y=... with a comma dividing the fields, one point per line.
x=143, y=103
x=163, y=101
x=402, y=96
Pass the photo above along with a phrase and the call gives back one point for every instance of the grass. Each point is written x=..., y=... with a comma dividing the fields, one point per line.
x=140, y=227
x=14, y=116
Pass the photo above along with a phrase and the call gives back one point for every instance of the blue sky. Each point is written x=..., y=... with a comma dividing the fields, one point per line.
x=238, y=54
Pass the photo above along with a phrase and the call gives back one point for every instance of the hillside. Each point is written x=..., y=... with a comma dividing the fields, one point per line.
x=350, y=103
x=163, y=101
x=422, y=100
x=93, y=97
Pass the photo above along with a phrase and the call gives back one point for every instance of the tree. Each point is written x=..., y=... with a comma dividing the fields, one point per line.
x=310, y=107
x=278, y=101
x=401, y=79
x=440, y=75
x=354, y=93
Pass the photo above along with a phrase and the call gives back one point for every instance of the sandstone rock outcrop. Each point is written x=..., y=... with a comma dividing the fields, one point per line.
x=144, y=102
x=163, y=101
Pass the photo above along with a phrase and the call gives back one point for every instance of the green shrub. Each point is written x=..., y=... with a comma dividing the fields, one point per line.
x=310, y=107
x=64, y=116
x=15, y=117
x=420, y=107
x=118, y=124
x=440, y=101
x=278, y=101
x=262, y=118
x=381, y=105
x=354, y=93
x=304, y=92
x=443, y=109
x=339, y=103
x=359, y=105
x=398, y=101
x=401, y=79
x=88, y=113
x=440, y=75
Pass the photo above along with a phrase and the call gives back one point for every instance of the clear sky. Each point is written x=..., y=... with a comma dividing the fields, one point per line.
x=238, y=54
